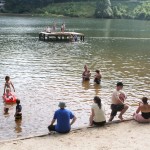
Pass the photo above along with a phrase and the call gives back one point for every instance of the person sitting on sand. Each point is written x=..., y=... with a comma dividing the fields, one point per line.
x=118, y=102
x=8, y=84
x=97, y=113
x=18, y=114
x=98, y=77
x=86, y=74
x=63, y=117
x=144, y=108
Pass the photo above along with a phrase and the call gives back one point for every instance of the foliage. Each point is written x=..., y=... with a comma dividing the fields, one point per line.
x=103, y=9
x=142, y=11
x=78, y=9
x=82, y=8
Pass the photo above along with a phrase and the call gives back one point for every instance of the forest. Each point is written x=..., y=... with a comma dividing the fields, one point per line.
x=131, y=9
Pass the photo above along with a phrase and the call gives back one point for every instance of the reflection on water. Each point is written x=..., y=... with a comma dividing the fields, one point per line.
x=46, y=73
x=18, y=127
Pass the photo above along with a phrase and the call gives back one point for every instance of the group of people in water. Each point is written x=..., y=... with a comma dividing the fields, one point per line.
x=7, y=94
x=87, y=74
x=97, y=117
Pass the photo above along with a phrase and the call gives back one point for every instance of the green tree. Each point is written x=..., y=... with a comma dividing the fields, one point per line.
x=142, y=11
x=103, y=9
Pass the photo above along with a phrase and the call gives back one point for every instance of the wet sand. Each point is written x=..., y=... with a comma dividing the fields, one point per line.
x=128, y=135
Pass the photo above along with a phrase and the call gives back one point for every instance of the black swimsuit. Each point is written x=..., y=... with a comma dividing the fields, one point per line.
x=146, y=115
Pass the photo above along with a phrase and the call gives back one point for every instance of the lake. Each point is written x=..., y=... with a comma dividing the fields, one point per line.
x=45, y=73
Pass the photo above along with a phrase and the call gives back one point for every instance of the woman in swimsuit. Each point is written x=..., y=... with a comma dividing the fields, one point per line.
x=8, y=84
x=144, y=108
x=86, y=74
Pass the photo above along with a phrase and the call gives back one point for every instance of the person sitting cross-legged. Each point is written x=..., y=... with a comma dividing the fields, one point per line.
x=63, y=117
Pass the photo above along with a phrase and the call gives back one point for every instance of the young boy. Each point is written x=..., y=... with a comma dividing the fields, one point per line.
x=18, y=114
x=8, y=84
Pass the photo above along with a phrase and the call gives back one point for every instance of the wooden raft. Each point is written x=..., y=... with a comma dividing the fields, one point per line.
x=61, y=36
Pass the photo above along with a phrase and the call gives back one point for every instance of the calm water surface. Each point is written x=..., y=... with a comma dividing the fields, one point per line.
x=46, y=73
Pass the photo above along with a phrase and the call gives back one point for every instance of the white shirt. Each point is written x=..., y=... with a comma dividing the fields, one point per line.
x=99, y=113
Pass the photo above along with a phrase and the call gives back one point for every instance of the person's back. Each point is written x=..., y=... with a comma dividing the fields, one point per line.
x=145, y=111
x=99, y=113
x=63, y=117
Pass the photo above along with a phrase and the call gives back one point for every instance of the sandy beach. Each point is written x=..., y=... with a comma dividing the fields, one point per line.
x=128, y=135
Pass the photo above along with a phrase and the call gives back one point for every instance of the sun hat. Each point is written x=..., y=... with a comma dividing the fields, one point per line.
x=62, y=105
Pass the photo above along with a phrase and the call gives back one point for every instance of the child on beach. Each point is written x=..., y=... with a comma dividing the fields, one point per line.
x=98, y=77
x=8, y=84
x=18, y=114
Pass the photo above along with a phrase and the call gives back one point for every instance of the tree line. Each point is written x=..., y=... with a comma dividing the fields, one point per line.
x=103, y=8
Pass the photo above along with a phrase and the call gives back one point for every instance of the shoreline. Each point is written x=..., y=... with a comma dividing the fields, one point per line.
x=72, y=130
x=128, y=135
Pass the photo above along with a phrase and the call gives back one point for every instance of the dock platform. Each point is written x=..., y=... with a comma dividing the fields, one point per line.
x=61, y=36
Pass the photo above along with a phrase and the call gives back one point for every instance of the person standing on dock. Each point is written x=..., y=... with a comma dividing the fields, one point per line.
x=54, y=27
x=118, y=103
x=63, y=117
x=63, y=27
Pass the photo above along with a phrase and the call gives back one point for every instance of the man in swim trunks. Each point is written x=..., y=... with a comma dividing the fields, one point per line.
x=117, y=103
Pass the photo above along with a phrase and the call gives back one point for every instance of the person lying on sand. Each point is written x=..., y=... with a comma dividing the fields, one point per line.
x=144, y=108
x=118, y=102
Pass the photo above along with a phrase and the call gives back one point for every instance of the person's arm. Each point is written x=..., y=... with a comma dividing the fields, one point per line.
x=52, y=122
x=138, y=110
x=91, y=117
x=73, y=120
x=4, y=89
x=12, y=86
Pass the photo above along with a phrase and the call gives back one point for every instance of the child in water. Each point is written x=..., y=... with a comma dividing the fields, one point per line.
x=8, y=84
x=8, y=94
x=98, y=77
x=6, y=109
x=18, y=114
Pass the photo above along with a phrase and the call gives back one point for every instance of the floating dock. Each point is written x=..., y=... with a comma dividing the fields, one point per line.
x=61, y=36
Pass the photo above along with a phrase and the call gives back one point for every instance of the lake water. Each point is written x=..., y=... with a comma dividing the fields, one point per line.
x=45, y=73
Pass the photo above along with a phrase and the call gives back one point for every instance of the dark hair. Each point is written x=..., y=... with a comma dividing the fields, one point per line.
x=119, y=84
x=7, y=78
x=97, y=100
x=18, y=101
x=144, y=100
x=97, y=71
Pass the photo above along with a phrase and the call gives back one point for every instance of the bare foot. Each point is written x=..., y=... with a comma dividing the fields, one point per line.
x=120, y=117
